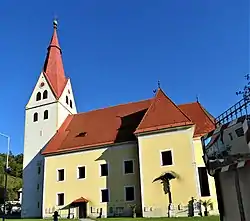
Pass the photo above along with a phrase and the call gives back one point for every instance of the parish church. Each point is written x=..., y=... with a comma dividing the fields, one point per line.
x=142, y=158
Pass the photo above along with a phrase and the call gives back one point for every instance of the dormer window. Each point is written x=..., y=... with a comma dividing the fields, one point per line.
x=45, y=94
x=38, y=96
x=67, y=100
x=82, y=134
x=70, y=103
x=35, y=117
x=46, y=115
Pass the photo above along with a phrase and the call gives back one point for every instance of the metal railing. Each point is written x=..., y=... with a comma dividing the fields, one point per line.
x=237, y=110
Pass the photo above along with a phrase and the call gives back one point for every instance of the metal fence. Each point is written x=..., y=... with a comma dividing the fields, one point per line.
x=239, y=109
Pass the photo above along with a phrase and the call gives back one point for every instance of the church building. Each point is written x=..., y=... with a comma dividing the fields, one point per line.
x=143, y=157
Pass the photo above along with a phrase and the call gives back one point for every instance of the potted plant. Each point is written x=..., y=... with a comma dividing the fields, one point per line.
x=133, y=209
x=206, y=204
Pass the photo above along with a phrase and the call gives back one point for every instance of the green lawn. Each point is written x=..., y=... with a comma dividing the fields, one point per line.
x=209, y=218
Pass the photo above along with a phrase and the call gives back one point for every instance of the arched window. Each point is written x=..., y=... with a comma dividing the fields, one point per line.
x=35, y=117
x=46, y=115
x=38, y=96
x=67, y=100
x=70, y=103
x=45, y=94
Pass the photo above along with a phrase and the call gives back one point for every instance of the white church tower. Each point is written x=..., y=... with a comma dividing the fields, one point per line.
x=50, y=103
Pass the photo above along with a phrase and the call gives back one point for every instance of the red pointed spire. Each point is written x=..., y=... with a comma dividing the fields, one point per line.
x=53, y=66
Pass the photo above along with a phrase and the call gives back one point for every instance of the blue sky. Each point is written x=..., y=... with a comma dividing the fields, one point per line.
x=116, y=51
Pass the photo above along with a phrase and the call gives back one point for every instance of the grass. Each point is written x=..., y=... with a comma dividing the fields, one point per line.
x=208, y=218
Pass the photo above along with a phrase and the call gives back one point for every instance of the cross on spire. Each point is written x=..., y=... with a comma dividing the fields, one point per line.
x=197, y=98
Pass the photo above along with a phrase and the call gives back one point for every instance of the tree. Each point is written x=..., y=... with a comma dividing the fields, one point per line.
x=165, y=179
x=246, y=90
x=14, y=177
x=206, y=204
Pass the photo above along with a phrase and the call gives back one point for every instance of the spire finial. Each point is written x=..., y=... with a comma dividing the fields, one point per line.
x=159, y=84
x=55, y=23
x=197, y=98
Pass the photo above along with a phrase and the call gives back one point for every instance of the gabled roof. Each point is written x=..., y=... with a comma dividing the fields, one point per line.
x=53, y=66
x=162, y=113
x=118, y=124
x=98, y=127
x=203, y=121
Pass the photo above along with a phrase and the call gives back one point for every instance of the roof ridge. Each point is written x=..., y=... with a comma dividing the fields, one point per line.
x=189, y=103
x=177, y=107
x=206, y=112
x=118, y=105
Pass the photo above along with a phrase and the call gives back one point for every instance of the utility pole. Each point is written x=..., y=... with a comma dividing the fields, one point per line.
x=6, y=172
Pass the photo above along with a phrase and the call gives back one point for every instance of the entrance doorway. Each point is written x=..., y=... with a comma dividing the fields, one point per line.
x=82, y=210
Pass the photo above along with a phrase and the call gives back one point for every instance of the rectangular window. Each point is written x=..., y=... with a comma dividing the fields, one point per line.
x=105, y=195
x=60, y=199
x=60, y=175
x=203, y=178
x=81, y=173
x=166, y=158
x=239, y=132
x=38, y=169
x=129, y=193
x=104, y=169
x=128, y=166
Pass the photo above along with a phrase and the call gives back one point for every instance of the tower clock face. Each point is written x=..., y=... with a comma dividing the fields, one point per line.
x=42, y=84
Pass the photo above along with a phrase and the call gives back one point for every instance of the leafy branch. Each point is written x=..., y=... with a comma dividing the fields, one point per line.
x=246, y=90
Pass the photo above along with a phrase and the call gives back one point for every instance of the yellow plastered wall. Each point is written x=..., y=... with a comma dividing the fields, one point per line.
x=200, y=163
x=154, y=200
x=90, y=187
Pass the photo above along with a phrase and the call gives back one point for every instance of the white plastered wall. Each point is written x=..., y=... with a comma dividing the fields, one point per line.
x=37, y=135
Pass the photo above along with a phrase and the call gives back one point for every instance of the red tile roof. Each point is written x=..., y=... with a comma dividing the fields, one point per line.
x=80, y=200
x=162, y=114
x=53, y=66
x=117, y=124
x=103, y=126
x=198, y=114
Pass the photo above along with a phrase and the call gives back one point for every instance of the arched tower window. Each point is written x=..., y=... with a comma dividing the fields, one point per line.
x=45, y=94
x=38, y=96
x=70, y=103
x=35, y=117
x=67, y=100
x=46, y=115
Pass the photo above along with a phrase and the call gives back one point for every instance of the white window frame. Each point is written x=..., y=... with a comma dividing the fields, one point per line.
x=172, y=154
x=101, y=194
x=57, y=203
x=125, y=193
x=100, y=169
x=77, y=172
x=133, y=160
x=57, y=175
